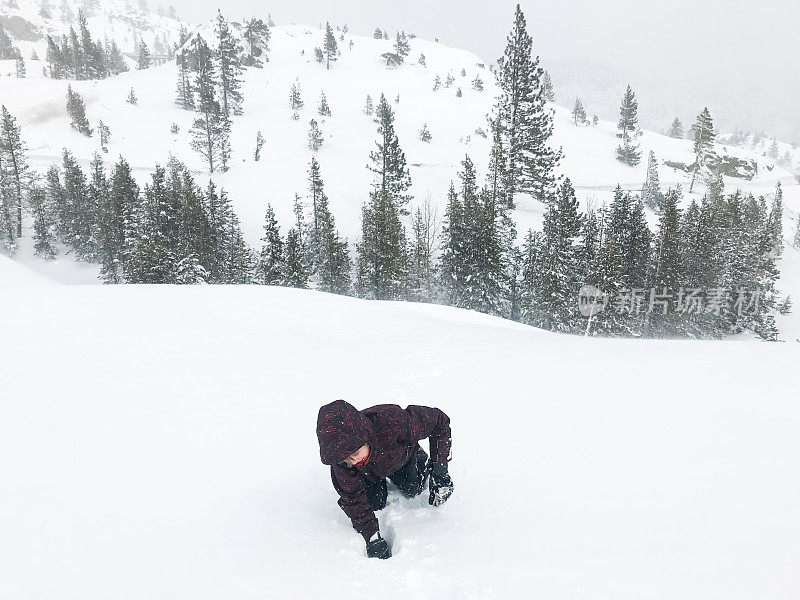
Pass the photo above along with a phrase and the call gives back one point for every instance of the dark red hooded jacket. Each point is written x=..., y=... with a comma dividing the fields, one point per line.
x=392, y=434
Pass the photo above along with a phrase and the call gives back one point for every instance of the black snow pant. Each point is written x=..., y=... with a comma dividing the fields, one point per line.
x=410, y=479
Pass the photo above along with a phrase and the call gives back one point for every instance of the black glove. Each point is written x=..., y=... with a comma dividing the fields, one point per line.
x=378, y=548
x=440, y=484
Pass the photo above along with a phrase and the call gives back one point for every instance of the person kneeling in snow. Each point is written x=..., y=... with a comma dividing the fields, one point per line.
x=365, y=447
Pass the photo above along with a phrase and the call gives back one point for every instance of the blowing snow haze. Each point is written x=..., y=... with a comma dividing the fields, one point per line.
x=733, y=56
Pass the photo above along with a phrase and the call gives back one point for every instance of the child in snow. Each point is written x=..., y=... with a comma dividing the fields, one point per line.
x=365, y=447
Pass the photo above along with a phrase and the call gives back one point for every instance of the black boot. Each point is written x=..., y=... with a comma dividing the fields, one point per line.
x=377, y=494
x=412, y=476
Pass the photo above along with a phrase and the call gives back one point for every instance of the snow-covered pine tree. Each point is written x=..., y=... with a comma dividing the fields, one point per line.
x=797, y=234
x=271, y=261
x=401, y=45
x=527, y=122
x=368, y=106
x=44, y=242
x=296, y=273
x=315, y=137
x=131, y=99
x=295, y=100
x=595, y=121
x=651, y=192
x=775, y=221
x=449, y=80
x=559, y=261
x=667, y=271
x=144, y=56
x=185, y=95
x=774, y=151
x=422, y=271
x=455, y=244
x=210, y=130
x=230, y=69
x=76, y=110
x=377, y=34
x=13, y=165
x=323, y=109
x=437, y=83
x=19, y=65
x=477, y=83
x=121, y=204
x=628, y=127
x=116, y=62
x=703, y=135
x=319, y=56
x=259, y=145
x=422, y=60
x=81, y=213
x=578, y=113
x=382, y=261
x=257, y=35
x=330, y=263
x=676, y=129
x=330, y=47
x=425, y=134
x=105, y=135
x=547, y=87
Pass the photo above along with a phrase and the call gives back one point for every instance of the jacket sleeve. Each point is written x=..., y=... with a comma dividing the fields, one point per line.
x=434, y=424
x=352, y=490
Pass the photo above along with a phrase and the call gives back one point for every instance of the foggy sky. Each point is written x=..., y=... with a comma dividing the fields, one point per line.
x=738, y=58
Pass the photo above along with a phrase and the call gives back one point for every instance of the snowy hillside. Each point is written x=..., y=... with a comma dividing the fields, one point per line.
x=125, y=22
x=170, y=453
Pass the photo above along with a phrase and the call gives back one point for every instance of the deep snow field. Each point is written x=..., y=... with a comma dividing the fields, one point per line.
x=158, y=442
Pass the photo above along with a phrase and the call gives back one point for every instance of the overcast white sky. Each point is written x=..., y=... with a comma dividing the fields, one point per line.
x=739, y=58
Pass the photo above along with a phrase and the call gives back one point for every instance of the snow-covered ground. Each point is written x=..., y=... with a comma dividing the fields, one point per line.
x=158, y=442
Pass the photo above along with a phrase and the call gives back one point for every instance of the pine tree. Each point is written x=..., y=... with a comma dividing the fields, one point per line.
x=44, y=242
x=330, y=47
x=296, y=273
x=547, y=87
x=80, y=213
x=628, y=126
x=257, y=35
x=559, y=266
x=185, y=95
x=295, y=100
x=378, y=34
x=459, y=93
x=423, y=247
x=775, y=221
x=422, y=60
x=259, y=145
x=703, y=135
x=270, y=268
x=676, y=129
x=668, y=270
x=19, y=64
x=382, y=260
x=425, y=134
x=132, y=98
x=144, y=56
x=437, y=83
x=230, y=69
x=330, y=263
x=774, y=151
x=315, y=137
x=797, y=234
x=368, y=106
x=324, y=110
x=449, y=80
x=210, y=130
x=121, y=204
x=651, y=193
x=401, y=46
x=578, y=113
x=477, y=83
x=13, y=165
x=527, y=123
x=105, y=135
x=76, y=110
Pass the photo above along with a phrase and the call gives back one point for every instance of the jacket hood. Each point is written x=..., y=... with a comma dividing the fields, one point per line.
x=341, y=430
